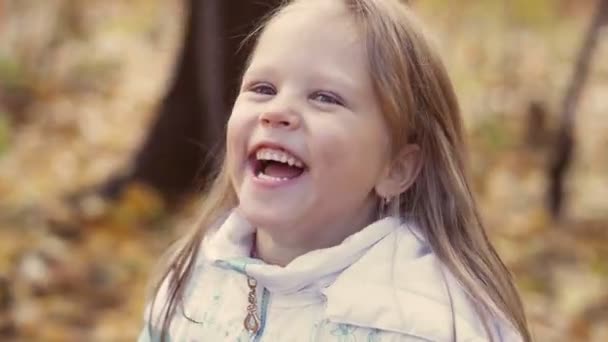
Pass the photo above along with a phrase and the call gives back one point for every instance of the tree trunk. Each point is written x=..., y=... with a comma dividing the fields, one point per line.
x=564, y=147
x=181, y=147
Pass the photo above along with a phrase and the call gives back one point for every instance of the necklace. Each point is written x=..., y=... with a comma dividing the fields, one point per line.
x=252, y=320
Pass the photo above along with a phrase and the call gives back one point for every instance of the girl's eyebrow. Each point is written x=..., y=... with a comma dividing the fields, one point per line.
x=259, y=71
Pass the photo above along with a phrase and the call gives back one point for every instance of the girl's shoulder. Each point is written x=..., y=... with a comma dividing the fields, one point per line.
x=401, y=278
x=202, y=279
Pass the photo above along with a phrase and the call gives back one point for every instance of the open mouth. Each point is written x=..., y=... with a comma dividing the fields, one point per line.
x=276, y=164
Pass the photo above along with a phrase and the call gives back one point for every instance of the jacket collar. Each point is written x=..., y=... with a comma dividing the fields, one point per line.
x=384, y=277
x=399, y=285
x=229, y=246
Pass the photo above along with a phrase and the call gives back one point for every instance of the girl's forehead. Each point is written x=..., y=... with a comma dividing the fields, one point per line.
x=312, y=15
x=319, y=6
x=306, y=24
x=304, y=42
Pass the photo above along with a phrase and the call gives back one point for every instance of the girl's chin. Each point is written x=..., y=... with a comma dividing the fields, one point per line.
x=268, y=215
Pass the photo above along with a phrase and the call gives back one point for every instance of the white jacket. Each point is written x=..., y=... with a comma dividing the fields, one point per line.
x=382, y=284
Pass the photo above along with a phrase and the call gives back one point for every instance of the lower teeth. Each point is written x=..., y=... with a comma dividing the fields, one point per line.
x=267, y=177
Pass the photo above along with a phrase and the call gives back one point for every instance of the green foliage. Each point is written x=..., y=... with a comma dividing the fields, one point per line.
x=12, y=73
x=493, y=133
x=533, y=13
x=4, y=132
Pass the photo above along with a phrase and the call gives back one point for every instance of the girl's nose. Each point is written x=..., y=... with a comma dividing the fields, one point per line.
x=280, y=119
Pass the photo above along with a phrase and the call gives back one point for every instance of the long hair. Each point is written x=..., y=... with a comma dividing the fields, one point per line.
x=420, y=107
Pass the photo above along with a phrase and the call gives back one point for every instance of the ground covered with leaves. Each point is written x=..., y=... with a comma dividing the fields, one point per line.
x=79, y=85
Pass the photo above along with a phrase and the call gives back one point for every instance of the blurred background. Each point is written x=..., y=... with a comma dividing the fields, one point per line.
x=111, y=113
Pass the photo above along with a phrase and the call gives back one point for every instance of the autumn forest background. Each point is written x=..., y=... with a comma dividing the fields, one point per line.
x=111, y=114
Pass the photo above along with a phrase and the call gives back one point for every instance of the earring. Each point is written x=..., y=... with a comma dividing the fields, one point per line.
x=384, y=204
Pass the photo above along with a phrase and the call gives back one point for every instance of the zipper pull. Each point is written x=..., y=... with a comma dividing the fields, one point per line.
x=252, y=321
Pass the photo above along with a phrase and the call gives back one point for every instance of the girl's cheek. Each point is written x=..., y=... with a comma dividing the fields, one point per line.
x=331, y=149
x=235, y=138
x=230, y=135
x=243, y=113
x=238, y=117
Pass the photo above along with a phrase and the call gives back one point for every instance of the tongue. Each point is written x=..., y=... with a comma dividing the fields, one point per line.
x=281, y=170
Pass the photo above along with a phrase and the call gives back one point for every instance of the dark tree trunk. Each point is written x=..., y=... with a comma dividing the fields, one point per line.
x=181, y=147
x=564, y=147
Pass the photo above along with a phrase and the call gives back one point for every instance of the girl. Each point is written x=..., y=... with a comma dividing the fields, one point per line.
x=342, y=211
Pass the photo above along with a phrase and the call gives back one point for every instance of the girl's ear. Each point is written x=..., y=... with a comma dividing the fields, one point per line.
x=401, y=173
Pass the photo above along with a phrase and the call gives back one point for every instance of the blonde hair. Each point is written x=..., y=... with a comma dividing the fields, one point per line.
x=420, y=107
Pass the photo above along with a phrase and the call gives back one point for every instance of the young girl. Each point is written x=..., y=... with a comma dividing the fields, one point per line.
x=342, y=211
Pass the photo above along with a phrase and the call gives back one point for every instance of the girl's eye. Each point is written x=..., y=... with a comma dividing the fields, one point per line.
x=328, y=98
x=263, y=89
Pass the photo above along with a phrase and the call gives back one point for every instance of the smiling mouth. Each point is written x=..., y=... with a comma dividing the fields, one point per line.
x=275, y=164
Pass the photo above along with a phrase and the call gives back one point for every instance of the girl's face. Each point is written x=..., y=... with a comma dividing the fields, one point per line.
x=306, y=141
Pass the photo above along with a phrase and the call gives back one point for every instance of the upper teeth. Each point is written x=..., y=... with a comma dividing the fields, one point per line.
x=278, y=155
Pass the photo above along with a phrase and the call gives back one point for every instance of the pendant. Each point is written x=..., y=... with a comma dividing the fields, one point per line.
x=252, y=321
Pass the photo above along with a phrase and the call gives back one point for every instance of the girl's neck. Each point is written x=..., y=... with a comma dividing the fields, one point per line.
x=280, y=249
x=273, y=253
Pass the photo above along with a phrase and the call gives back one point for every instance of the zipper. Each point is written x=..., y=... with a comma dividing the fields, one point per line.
x=263, y=313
